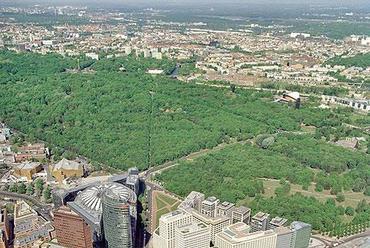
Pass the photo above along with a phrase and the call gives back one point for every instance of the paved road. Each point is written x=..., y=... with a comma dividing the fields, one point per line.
x=42, y=209
x=345, y=242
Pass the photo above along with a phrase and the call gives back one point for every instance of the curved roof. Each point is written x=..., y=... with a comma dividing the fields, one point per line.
x=90, y=199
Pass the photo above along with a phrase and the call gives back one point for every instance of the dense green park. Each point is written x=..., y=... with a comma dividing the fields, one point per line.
x=126, y=117
x=234, y=174
x=115, y=113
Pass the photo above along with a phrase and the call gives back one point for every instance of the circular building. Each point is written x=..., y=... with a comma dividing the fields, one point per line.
x=88, y=204
x=119, y=218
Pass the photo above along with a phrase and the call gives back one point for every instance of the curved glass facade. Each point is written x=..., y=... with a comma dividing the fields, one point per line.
x=119, y=218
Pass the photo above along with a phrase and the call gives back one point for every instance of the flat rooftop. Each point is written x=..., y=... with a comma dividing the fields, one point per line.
x=242, y=210
x=22, y=209
x=299, y=225
x=225, y=205
x=190, y=228
x=261, y=216
x=239, y=232
x=207, y=219
x=173, y=214
x=282, y=230
x=210, y=200
x=278, y=221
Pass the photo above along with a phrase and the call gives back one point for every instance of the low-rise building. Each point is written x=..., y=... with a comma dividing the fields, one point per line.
x=28, y=226
x=209, y=206
x=92, y=56
x=241, y=214
x=260, y=222
x=27, y=169
x=277, y=222
x=31, y=152
x=66, y=169
x=351, y=143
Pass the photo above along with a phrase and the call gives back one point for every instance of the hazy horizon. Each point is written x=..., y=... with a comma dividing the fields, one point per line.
x=239, y=8
x=192, y=2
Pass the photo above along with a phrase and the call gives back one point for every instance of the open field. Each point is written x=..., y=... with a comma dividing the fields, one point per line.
x=351, y=198
x=162, y=204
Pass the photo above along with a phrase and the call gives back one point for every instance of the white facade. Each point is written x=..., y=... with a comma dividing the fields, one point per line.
x=362, y=105
x=216, y=224
x=238, y=236
x=192, y=235
x=164, y=236
x=209, y=206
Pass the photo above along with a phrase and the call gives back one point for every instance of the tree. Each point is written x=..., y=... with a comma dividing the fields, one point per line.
x=13, y=188
x=30, y=189
x=283, y=190
x=359, y=185
x=265, y=140
x=340, y=197
x=362, y=206
x=336, y=189
x=319, y=187
x=367, y=191
x=21, y=188
x=47, y=194
x=350, y=211
x=232, y=88
x=39, y=186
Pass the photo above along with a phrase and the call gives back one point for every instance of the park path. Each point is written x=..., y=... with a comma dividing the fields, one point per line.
x=155, y=209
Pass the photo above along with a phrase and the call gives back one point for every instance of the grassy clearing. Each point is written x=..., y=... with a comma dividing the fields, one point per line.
x=351, y=198
x=160, y=204
x=168, y=199
x=163, y=204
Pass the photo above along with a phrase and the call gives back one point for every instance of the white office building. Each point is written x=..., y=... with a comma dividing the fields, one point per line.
x=192, y=235
x=216, y=224
x=238, y=236
x=164, y=236
x=209, y=206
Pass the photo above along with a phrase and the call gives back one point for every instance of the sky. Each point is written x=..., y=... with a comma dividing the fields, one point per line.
x=230, y=6
x=210, y=2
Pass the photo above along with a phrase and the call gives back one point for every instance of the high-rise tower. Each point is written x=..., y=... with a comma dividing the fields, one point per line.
x=119, y=217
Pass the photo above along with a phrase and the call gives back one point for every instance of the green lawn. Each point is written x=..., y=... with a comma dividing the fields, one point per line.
x=168, y=199
x=351, y=198
x=165, y=204
x=160, y=204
